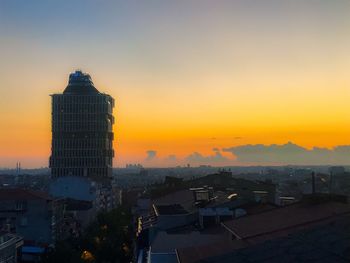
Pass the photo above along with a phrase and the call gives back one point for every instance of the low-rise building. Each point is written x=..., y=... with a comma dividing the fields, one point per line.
x=33, y=215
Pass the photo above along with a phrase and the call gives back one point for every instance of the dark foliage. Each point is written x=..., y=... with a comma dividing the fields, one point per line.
x=107, y=239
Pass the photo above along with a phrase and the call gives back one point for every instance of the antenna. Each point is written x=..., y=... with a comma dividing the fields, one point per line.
x=330, y=182
x=313, y=182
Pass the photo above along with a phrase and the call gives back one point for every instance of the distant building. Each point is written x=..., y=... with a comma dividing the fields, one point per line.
x=33, y=215
x=211, y=199
x=82, y=136
x=258, y=191
x=335, y=170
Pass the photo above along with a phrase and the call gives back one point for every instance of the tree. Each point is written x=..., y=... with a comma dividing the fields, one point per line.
x=107, y=239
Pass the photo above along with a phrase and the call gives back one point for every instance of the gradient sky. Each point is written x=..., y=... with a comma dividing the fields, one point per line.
x=187, y=76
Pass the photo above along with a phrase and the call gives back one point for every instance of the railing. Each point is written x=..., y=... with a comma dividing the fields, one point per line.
x=12, y=239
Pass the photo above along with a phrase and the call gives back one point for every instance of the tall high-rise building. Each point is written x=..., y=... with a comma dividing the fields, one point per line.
x=82, y=136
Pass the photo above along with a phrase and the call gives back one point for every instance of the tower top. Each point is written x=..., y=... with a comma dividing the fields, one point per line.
x=80, y=83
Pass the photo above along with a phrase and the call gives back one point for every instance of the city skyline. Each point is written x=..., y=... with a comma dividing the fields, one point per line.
x=193, y=82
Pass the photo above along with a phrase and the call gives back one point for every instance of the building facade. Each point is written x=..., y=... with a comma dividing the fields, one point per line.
x=82, y=136
x=33, y=215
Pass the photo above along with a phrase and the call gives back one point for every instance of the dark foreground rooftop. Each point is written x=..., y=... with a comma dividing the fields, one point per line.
x=327, y=243
x=175, y=209
x=314, y=230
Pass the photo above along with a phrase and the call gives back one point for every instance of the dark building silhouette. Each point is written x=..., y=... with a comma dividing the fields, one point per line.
x=82, y=120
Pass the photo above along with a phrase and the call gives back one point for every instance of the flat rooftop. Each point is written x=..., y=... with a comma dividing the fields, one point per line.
x=174, y=209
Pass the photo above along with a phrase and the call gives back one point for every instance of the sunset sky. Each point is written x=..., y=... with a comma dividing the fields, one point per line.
x=192, y=80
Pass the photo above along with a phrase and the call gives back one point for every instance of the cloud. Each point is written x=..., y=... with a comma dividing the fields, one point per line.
x=217, y=158
x=171, y=158
x=258, y=154
x=151, y=155
x=290, y=153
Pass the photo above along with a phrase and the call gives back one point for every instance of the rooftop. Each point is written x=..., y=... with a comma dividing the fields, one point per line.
x=285, y=218
x=269, y=228
x=22, y=194
x=174, y=209
x=195, y=253
x=80, y=83
x=166, y=243
x=328, y=243
x=163, y=258
x=182, y=197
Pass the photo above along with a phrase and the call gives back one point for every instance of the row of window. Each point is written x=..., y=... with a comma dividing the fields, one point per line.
x=81, y=126
x=91, y=99
x=83, y=108
x=81, y=172
x=80, y=162
x=88, y=117
x=59, y=143
x=83, y=135
x=59, y=152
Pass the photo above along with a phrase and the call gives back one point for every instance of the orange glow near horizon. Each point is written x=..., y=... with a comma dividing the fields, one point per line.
x=199, y=124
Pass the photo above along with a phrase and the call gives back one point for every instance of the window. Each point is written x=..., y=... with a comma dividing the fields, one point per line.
x=23, y=221
x=21, y=205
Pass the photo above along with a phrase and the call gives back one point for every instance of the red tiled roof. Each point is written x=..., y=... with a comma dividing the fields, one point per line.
x=268, y=225
x=284, y=218
x=22, y=194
